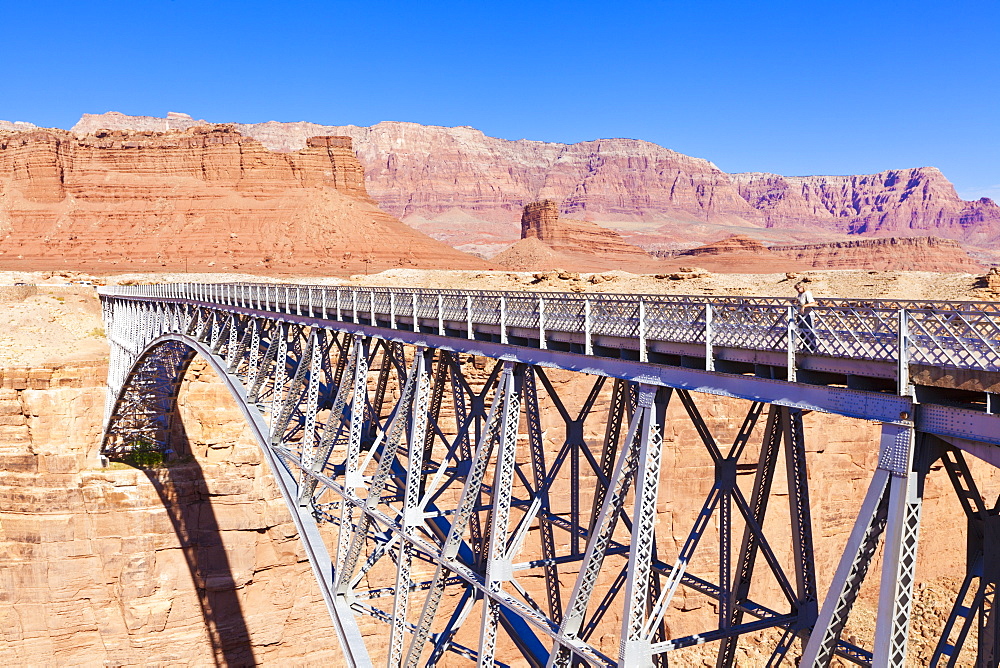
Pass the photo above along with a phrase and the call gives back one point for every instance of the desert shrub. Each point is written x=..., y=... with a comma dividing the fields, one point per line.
x=144, y=455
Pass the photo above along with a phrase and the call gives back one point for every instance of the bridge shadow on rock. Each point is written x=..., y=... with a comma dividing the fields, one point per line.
x=185, y=495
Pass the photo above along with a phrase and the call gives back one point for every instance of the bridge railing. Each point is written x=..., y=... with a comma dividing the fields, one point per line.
x=951, y=334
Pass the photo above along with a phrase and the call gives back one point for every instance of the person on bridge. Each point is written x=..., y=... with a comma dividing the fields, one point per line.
x=807, y=335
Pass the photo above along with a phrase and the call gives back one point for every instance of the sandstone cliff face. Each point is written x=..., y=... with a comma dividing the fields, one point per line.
x=16, y=126
x=97, y=569
x=742, y=253
x=894, y=253
x=549, y=241
x=541, y=220
x=433, y=176
x=420, y=171
x=920, y=201
x=194, y=199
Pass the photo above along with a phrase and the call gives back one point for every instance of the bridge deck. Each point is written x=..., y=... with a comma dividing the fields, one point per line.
x=876, y=348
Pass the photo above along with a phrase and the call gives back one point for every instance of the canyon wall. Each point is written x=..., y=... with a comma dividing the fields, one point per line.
x=916, y=201
x=437, y=177
x=204, y=198
x=743, y=253
x=884, y=254
x=196, y=564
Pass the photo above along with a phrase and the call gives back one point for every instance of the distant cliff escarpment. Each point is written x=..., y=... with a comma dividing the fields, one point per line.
x=204, y=198
x=433, y=177
x=467, y=190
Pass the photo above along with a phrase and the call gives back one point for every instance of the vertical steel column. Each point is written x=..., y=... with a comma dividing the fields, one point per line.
x=503, y=320
x=541, y=324
x=440, y=315
x=318, y=348
x=411, y=517
x=801, y=519
x=790, y=339
x=900, y=554
x=903, y=354
x=468, y=317
x=709, y=354
x=498, y=563
x=636, y=649
x=643, y=350
x=294, y=393
x=280, y=372
x=893, y=499
x=254, y=357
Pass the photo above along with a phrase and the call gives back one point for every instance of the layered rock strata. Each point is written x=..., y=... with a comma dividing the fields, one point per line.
x=885, y=254
x=916, y=201
x=202, y=198
x=744, y=253
x=541, y=220
x=441, y=179
x=198, y=564
x=549, y=241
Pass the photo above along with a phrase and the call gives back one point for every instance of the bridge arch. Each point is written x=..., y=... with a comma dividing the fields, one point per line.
x=140, y=421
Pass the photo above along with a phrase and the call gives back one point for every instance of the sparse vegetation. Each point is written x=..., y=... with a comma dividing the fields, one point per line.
x=144, y=455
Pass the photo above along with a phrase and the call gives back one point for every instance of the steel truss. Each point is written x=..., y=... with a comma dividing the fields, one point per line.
x=438, y=498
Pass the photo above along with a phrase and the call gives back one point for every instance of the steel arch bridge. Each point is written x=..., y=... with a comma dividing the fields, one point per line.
x=428, y=501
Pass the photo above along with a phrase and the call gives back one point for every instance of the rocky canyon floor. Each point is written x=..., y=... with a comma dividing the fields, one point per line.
x=199, y=564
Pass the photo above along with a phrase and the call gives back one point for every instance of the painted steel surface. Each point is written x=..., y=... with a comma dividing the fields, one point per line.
x=448, y=512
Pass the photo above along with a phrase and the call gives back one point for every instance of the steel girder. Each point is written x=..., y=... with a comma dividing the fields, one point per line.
x=430, y=494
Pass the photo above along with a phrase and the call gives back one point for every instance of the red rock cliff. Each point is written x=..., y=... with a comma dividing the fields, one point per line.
x=206, y=197
x=420, y=173
x=920, y=201
x=892, y=254
x=541, y=220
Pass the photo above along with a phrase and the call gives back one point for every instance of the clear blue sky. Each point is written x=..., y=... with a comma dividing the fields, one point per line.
x=786, y=87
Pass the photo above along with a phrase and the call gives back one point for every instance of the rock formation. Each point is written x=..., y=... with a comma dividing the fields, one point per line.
x=549, y=241
x=204, y=198
x=737, y=243
x=740, y=253
x=919, y=201
x=425, y=173
x=885, y=254
x=113, y=120
x=466, y=188
x=541, y=220
x=16, y=126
